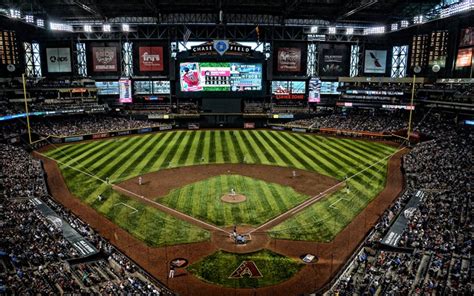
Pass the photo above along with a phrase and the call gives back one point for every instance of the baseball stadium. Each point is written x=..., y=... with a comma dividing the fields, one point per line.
x=236, y=148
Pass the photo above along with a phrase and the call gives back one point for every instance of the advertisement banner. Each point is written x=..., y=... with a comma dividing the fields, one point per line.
x=144, y=130
x=393, y=236
x=59, y=60
x=464, y=58
x=375, y=61
x=73, y=139
x=104, y=59
x=123, y=133
x=467, y=37
x=165, y=127
x=334, y=60
x=151, y=58
x=249, y=125
x=100, y=136
x=314, y=90
x=278, y=128
x=289, y=59
x=193, y=126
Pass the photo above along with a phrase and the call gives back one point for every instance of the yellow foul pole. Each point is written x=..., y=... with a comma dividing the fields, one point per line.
x=411, y=108
x=26, y=107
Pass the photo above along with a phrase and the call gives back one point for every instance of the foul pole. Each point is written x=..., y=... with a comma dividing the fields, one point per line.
x=411, y=108
x=26, y=107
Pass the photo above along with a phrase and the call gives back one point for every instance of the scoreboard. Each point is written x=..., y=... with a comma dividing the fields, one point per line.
x=220, y=77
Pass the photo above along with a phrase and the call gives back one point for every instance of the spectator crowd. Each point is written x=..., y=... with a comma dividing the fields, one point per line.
x=433, y=256
x=70, y=126
x=34, y=254
x=434, y=251
x=356, y=121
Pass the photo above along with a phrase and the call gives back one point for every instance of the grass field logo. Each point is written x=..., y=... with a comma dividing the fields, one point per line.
x=246, y=268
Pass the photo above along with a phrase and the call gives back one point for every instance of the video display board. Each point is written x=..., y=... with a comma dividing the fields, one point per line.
x=289, y=90
x=329, y=88
x=220, y=77
x=107, y=87
x=314, y=90
x=148, y=87
x=125, y=90
x=464, y=58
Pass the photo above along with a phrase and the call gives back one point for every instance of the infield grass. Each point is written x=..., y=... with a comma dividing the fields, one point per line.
x=122, y=158
x=202, y=200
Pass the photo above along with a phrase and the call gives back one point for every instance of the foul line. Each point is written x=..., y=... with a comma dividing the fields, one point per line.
x=125, y=205
x=315, y=198
x=158, y=205
x=170, y=209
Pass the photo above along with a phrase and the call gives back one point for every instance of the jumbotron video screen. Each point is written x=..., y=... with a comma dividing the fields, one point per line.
x=220, y=77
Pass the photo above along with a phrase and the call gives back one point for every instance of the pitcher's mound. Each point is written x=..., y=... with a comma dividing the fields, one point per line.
x=236, y=198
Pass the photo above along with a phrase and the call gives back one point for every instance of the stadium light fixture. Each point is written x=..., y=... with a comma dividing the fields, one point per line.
x=404, y=23
x=15, y=13
x=106, y=28
x=374, y=30
x=40, y=23
x=87, y=28
x=349, y=31
x=332, y=30
x=60, y=27
x=419, y=19
x=125, y=27
x=457, y=8
x=394, y=27
x=29, y=19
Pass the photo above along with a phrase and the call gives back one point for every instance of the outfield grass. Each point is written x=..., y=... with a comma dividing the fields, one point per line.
x=202, y=200
x=123, y=158
x=217, y=268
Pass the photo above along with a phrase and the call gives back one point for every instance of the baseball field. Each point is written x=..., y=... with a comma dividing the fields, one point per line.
x=97, y=172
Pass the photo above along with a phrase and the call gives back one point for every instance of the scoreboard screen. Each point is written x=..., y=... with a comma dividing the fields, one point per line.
x=290, y=90
x=149, y=87
x=220, y=77
x=329, y=88
x=107, y=87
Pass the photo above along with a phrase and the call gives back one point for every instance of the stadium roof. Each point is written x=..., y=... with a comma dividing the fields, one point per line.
x=352, y=11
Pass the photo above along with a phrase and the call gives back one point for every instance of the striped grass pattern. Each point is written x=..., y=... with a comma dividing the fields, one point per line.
x=122, y=158
x=202, y=200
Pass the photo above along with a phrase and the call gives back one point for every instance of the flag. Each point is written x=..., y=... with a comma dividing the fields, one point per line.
x=186, y=36
x=257, y=30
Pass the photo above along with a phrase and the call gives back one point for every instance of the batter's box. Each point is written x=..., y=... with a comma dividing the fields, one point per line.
x=134, y=210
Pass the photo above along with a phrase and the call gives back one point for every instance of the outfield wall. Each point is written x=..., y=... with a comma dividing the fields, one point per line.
x=248, y=125
x=77, y=138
